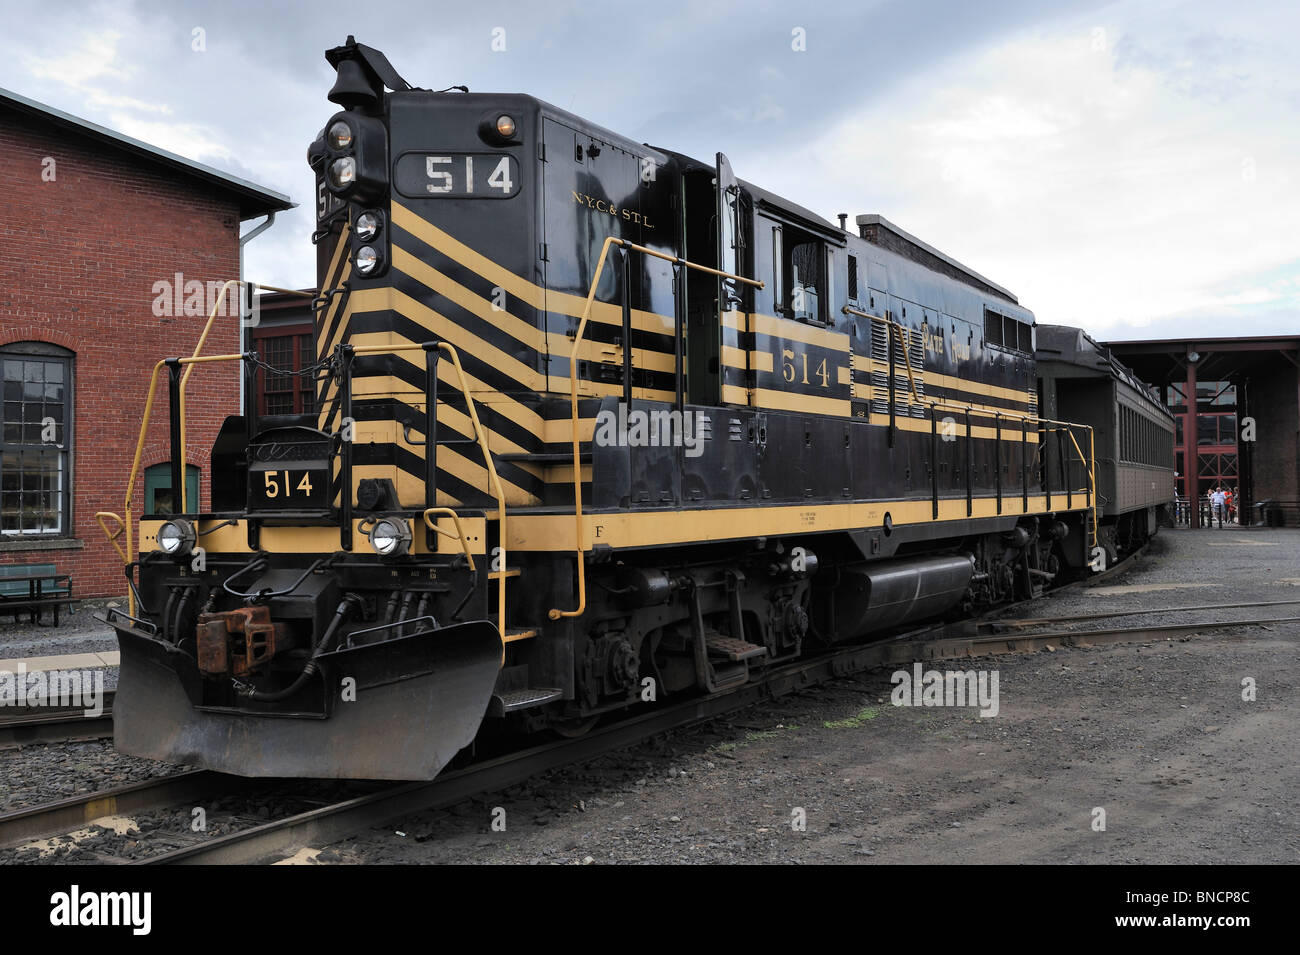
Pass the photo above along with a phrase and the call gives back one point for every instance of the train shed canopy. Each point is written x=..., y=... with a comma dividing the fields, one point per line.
x=1162, y=361
x=1238, y=405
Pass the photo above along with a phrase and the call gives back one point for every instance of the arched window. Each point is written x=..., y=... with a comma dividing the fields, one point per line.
x=158, y=496
x=35, y=440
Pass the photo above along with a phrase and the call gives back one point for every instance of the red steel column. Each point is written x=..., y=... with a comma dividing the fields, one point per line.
x=1190, y=464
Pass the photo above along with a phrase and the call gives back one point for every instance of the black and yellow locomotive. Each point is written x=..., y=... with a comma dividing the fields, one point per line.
x=599, y=423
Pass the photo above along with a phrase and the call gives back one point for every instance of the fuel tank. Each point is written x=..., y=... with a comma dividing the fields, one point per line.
x=871, y=597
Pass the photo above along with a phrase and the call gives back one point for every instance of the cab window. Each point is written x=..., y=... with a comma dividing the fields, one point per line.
x=799, y=274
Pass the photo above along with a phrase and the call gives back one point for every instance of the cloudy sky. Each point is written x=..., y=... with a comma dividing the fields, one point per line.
x=1131, y=168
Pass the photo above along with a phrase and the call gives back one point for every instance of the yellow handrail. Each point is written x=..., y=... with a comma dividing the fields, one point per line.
x=556, y=613
x=198, y=349
x=487, y=456
x=1091, y=477
x=148, y=410
x=460, y=532
x=139, y=450
x=197, y=359
x=114, y=535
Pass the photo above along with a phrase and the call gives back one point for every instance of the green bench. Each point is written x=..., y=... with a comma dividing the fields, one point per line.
x=31, y=588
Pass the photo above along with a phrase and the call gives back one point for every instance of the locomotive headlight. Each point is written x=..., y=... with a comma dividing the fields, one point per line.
x=340, y=135
x=343, y=172
x=505, y=126
x=367, y=226
x=390, y=537
x=367, y=259
x=176, y=538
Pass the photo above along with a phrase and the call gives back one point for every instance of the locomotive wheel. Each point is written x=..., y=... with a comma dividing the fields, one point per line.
x=573, y=728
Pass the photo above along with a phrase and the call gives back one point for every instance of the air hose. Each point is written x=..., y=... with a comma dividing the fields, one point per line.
x=308, y=671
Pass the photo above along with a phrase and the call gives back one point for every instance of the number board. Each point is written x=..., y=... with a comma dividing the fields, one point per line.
x=456, y=175
x=289, y=489
x=326, y=202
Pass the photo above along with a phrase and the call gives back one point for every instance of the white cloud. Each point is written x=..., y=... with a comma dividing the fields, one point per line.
x=192, y=140
x=1105, y=193
x=94, y=60
x=1132, y=166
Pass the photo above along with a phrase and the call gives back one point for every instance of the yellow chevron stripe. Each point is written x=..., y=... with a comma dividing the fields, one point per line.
x=436, y=281
x=527, y=334
x=468, y=470
x=331, y=389
x=949, y=381
x=561, y=429
x=377, y=299
x=563, y=474
x=331, y=274
x=519, y=287
x=502, y=402
x=529, y=379
x=588, y=389
x=390, y=431
x=733, y=357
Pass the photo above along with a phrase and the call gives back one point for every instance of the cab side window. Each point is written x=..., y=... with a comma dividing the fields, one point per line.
x=799, y=277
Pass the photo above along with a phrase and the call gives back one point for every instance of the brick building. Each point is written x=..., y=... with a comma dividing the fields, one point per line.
x=284, y=337
x=112, y=250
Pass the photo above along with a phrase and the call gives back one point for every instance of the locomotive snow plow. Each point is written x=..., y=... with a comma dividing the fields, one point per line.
x=396, y=709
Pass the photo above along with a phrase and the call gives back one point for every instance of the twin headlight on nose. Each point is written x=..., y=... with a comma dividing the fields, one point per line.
x=368, y=259
x=390, y=537
x=176, y=538
x=355, y=161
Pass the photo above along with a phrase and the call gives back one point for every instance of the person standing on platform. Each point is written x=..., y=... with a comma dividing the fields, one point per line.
x=1217, y=498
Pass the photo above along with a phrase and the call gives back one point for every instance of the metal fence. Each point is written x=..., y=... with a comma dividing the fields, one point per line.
x=1257, y=514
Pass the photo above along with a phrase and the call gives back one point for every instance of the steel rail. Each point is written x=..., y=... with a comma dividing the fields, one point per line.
x=1016, y=642
x=1036, y=621
x=26, y=727
x=57, y=818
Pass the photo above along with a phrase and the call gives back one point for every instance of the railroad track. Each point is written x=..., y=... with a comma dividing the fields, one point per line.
x=329, y=823
x=66, y=815
x=32, y=725
x=37, y=726
x=1106, y=614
